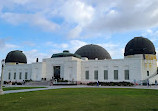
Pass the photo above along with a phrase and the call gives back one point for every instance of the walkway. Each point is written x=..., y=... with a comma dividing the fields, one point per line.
x=78, y=86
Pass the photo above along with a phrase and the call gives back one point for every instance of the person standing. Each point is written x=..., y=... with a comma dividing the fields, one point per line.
x=98, y=83
x=134, y=82
x=51, y=81
x=148, y=82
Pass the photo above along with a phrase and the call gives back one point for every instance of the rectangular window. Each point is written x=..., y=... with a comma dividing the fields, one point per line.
x=115, y=74
x=87, y=75
x=20, y=75
x=126, y=74
x=96, y=74
x=26, y=75
x=9, y=76
x=147, y=73
x=105, y=74
x=15, y=75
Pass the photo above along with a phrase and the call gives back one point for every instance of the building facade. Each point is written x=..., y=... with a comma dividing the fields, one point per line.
x=89, y=63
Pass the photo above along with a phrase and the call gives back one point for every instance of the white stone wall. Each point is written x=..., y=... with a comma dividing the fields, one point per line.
x=68, y=67
x=133, y=65
x=44, y=69
x=23, y=68
x=72, y=68
x=149, y=63
x=36, y=71
x=152, y=80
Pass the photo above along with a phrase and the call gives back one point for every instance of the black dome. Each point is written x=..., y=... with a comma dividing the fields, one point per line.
x=93, y=51
x=16, y=56
x=139, y=45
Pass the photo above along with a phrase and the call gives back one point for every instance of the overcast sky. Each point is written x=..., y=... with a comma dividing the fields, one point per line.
x=41, y=28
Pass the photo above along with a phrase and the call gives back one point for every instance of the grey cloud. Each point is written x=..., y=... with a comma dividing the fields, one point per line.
x=2, y=43
x=33, y=54
x=92, y=17
x=129, y=15
x=6, y=46
x=32, y=19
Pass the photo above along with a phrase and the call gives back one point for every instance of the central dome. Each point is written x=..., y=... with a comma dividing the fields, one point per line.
x=16, y=56
x=92, y=51
x=139, y=45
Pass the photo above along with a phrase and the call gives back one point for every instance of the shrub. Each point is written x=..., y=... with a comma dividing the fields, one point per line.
x=5, y=82
x=60, y=80
x=19, y=83
x=111, y=83
x=13, y=83
x=28, y=80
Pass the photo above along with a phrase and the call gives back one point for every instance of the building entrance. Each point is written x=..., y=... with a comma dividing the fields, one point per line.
x=57, y=72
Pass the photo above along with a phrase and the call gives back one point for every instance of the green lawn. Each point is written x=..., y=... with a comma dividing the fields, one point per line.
x=19, y=88
x=82, y=99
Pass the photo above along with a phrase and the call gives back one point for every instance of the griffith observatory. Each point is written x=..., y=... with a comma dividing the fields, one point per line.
x=90, y=63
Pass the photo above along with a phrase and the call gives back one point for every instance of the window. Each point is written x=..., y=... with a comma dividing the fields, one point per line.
x=96, y=75
x=126, y=74
x=20, y=75
x=9, y=75
x=26, y=75
x=87, y=75
x=147, y=73
x=115, y=74
x=15, y=75
x=105, y=74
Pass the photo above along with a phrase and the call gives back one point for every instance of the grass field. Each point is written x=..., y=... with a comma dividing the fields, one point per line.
x=19, y=88
x=82, y=99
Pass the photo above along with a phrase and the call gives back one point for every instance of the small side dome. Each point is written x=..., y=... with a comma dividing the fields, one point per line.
x=139, y=45
x=16, y=56
x=92, y=51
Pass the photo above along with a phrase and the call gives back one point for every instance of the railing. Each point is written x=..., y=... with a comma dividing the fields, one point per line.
x=145, y=80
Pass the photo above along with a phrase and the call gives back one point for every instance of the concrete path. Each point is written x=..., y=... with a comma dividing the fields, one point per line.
x=77, y=86
x=25, y=90
x=38, y=89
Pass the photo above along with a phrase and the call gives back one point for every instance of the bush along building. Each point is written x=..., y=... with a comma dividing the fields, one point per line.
x=90, y=63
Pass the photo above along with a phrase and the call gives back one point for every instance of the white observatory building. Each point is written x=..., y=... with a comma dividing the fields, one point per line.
x=90, y=63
